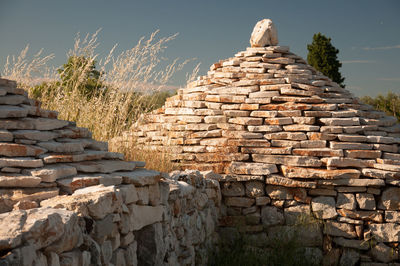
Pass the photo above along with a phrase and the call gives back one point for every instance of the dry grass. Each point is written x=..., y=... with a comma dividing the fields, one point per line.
x=117, y=104
x=133, y=152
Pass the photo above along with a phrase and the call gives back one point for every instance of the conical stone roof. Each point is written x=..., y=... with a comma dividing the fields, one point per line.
x=42, y=156
x=266, y=114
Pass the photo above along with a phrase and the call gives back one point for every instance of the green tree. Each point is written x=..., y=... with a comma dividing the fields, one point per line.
x=322, y=55
x=80, y=73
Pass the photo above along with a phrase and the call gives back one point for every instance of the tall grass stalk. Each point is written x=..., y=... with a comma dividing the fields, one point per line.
x=123, y=90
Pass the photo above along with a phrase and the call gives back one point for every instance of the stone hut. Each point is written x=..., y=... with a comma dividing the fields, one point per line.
x=287, y=142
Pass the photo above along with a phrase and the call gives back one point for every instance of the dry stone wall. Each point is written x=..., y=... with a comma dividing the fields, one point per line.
x=66, y=200
x=288, y=143
x=168, y=222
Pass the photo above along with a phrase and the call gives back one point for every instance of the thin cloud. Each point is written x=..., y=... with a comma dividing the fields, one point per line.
x=357, y=62
x=389, y=79
x=381, y=48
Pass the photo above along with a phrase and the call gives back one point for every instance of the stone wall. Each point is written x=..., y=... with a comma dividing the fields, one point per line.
x=168, y=222
x=290, y=145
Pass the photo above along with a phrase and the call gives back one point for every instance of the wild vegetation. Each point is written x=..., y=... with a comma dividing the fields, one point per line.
x=389, y=103
x=105, y=95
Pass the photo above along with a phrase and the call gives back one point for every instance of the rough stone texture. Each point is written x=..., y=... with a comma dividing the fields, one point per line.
x=98, y=225
x=264, y=34
x=288, y=146
x=324, y=207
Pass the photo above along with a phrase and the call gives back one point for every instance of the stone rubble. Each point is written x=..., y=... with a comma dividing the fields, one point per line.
x=265, y=116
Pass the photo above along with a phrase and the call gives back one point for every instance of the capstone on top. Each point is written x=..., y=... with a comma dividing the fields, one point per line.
x=264, y=34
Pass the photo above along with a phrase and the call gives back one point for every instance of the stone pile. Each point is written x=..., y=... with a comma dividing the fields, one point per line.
x=66, y=200
x=42, y=156
x=288, y=142
x=167, y=222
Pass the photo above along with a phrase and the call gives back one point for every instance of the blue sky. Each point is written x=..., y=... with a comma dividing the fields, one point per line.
x=367, y=33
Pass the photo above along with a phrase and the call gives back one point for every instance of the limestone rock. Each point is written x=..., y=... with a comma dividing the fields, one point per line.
x=383, y=253
x=391, y=198
x=264, y=34
x=324, y=207
x=140, y=216
x=388, y=232
x=270, y=215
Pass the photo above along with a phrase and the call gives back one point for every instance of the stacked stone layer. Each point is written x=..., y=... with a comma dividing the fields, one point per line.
x=167, y=222
x=42, y=156
x=288, y=141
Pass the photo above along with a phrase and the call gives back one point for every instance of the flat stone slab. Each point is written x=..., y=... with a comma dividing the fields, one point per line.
x=12, y=150
x=16, y=180
x=71, y=184
x=9, y=111
x=87, y=155
x=53, y=172
x=35, y=135
x=252, y=168
x=298, y=172
x=140, y=177
x=24, y=162
x=103, y=166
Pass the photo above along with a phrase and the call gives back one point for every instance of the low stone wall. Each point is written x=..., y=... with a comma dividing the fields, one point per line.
x=344, y=223
x=170, y=222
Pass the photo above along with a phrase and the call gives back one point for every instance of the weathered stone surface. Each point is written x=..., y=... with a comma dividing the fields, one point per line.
x=140, y=177
x=24, y=162
x=271, y=215
x=8, y=111
x=9, y=197
x=252, y=168
x=239, y=202
x=11, y=229
x=346, y=201
x=288, y=160
x=12, y=99
x=6, y=135
x=375, y=173
x=366, y=201
x=388, y=232
x=349, y=257
x=264, y=34
x=71, y=184
x=66, y=147
x=297, y=214
x=12, y=149
x=141, y=216
x=362, y=215
x=233, y=189
x=390, y=199
x=353, y=182
x=87, y=155
x=35, y=135
x=351, y=243
x=297, y=172
x=53, y=172
x=94, y=201
x=339, y=229
x=103, y=166
x=286, y=182
x=254, y=189
x=324, y=207
x=17, y=180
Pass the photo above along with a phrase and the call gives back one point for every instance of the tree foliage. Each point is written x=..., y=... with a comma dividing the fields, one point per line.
x=80, y=72
x=389, y=103
x=322, y=55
